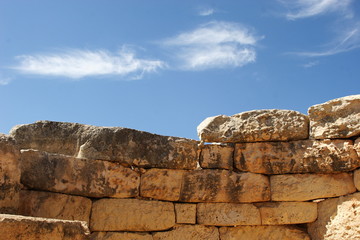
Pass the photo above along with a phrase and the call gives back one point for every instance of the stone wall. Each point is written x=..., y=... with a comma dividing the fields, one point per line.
x=265, y=174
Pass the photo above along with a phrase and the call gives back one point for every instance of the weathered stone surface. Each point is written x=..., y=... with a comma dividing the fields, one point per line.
x=357, y=146
x=9, y=175
x=31, y=228
x=189, y=232
x=337, y=118
x=217, y=156
x=64, y=174
x=123, y=145
x=163, y=184
x=255, y=126
x=303, y=187
x=303, y=156
x=263, y=232
x=357, y=179
x=338, y=218
x=278, y=213
x=120, y=236
x=185, y=213
x=54, y=205
x=228, y=214
x=224, y=186
x=131, y=215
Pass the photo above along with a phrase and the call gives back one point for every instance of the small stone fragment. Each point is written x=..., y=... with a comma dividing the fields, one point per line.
x=185, y=213
x=217, y=156
x=189, y=232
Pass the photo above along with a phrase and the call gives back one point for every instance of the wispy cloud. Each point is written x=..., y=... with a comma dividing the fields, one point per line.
x=207, y=11
x=311, y=64
x=214, y=45
x=4, y=80
x=78, y=64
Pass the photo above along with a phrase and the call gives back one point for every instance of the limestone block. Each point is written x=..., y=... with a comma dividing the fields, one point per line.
x=54, y=205
x=123, y=145
x=357, y=146
x=120, y=236
x=255, y=126
x=337, y=118
x=163, y=184
x=303, y=187
x=31, y=228
x=357, y=179
x=338, y=218
x=303, y=156
x=189, y=232
x=263, y=232
x=224, y=186
x=9, y=175
x=131, y=215
x=217, y=156
x=278, y=213
x=228, y=214
x=90, y=178
x=185, y=213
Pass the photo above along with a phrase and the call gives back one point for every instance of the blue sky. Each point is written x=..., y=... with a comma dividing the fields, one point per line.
x=164, y=66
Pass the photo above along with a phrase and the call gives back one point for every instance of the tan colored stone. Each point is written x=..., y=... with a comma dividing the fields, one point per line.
x=357, y=146
x=262, y=233
x=357, y=179
x=123, y=145
x=31, y=228
x=120, y=236
x=278, y=213
x=337, y=118
x=163, y=184
x=9, y=175
x=224, y=186
x=131, y=215
x=228, y=214
x=303, y=187
x=217, y=156
x=54, y=205
x=185, y=213
x=338, y=218
x=304, y=156
x=255, y=126
x=90, y=178
x=189, y=232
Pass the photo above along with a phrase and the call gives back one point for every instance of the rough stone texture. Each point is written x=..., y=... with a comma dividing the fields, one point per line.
x=217, y=156
x=338, y=218
x=189, y=232
x=303, y=187
x=224, y=186
x=278, y=213
x=9, y=175
x=255, y=126
x=357, y=146
x=54, y=205
x=123, y=145
x=64, y=174
x=131, y=215
x=185, y=213
x=120, y=236
x=262, y=233
x=303, y=156
x=163, y=184
x=30, y=228
x=228, y=214
x=337, y=118
x=357, y=179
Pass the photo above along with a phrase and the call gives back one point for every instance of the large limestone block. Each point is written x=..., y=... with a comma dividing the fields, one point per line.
x=262, y=232
x=90, y=178
x=303, y=187
x=54, y=205
x=224, y=186
x=31, y=228
x=217, y=156
x=131, y=215
x=9, y=175
x=189, y=232
x=278, y=213
x=338, y=218
x=123, y=145
x=337, y=118
x=185, y=213
x=255, y=126
x=303, y=156
x=228, y=214
x=120, y=236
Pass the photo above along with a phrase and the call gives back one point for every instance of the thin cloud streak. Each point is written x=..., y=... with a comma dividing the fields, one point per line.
x=206, y=12
x=5, y=81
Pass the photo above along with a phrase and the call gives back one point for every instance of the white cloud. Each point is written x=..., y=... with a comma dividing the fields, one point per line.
x=214, y=45
x=84, y=63
x=4, y=80
x=206, y=11
x=311, y=64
